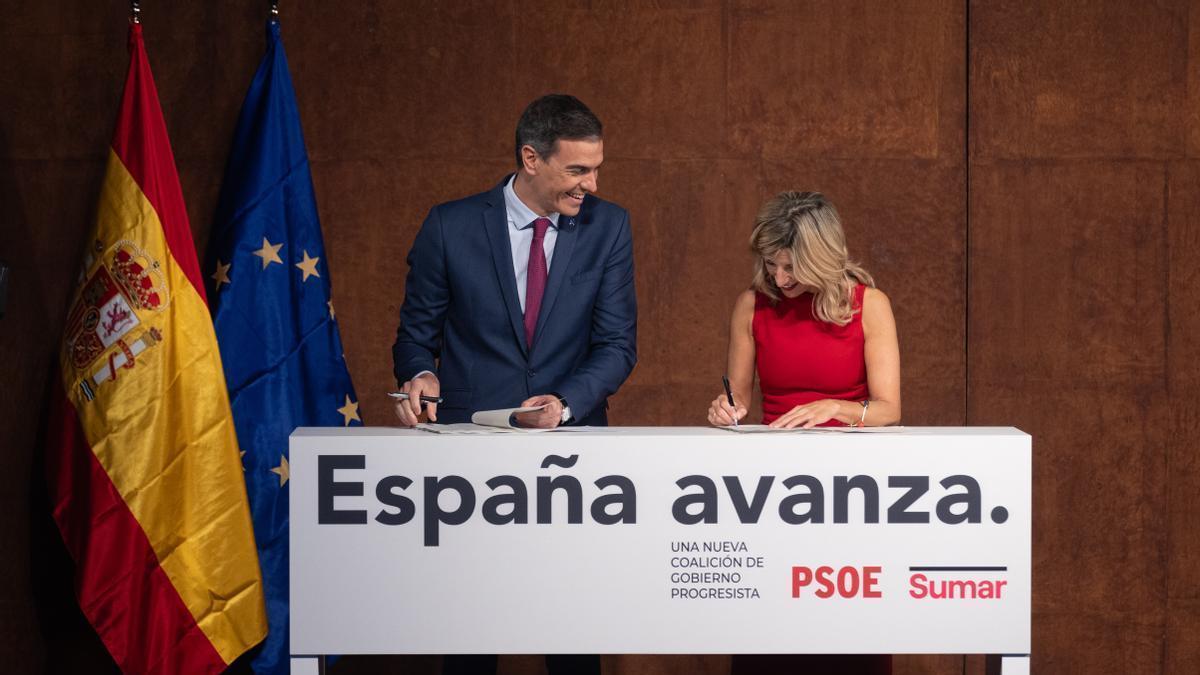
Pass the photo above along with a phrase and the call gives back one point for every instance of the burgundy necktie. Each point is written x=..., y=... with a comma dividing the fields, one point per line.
x=535, y=280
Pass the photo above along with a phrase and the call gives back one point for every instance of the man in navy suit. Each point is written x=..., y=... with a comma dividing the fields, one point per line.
x=523, y=295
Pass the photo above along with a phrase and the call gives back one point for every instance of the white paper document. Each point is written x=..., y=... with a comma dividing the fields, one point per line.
x=491, y=422
x=764, y=429
x=463, y=428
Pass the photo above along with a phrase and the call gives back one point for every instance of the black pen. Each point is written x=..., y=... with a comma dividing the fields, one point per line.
x=729, y=395
x=424, y=399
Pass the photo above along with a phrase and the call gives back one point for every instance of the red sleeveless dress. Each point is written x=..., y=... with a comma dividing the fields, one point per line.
x=801, y=359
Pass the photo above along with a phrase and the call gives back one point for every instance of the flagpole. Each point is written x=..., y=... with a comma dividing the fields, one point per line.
x=274, y=10
x=135, y=11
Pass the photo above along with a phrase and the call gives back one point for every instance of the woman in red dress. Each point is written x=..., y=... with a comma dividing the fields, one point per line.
x=822, y=340
x=820, y=336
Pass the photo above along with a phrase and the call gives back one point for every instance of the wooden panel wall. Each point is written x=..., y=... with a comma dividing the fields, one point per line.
x=1048, y=282
x=1083, y=202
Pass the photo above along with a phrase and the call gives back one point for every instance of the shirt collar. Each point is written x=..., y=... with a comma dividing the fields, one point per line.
x=520, y=215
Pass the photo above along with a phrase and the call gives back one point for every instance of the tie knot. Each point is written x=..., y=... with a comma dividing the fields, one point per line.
x=539, y=227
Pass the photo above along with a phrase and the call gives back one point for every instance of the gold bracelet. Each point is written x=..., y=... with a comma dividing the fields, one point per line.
x=862, y=421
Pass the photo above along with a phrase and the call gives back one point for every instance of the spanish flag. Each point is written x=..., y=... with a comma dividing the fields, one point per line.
x=142, y=457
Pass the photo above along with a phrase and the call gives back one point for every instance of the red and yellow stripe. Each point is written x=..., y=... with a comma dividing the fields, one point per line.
x=144, y=469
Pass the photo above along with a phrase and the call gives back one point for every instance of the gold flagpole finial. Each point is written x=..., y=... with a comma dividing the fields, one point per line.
x=274, y=10
x=135, y=12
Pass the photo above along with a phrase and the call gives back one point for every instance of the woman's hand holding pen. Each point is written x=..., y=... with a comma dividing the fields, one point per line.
x=409, y=410
x=721, y=414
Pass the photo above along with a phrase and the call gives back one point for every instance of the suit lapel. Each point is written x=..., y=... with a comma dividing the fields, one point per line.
x=495, y=222
x=564, y=246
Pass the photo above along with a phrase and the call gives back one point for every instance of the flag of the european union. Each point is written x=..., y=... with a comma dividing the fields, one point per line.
x=269, y=289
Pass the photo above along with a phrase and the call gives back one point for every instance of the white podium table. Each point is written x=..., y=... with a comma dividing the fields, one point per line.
x=660, y=540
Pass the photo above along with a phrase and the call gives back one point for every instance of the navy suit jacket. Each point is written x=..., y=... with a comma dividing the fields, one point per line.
x=462, y=319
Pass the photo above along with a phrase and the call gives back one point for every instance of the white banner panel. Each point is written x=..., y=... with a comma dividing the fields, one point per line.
x=660, y=540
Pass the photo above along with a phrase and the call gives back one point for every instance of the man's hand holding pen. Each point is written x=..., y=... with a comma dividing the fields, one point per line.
x=422, y=390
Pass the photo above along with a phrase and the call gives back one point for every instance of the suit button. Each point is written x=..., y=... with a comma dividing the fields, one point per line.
x=530, y=373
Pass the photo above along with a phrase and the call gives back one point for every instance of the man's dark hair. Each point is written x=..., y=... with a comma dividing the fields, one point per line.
x=552, y=117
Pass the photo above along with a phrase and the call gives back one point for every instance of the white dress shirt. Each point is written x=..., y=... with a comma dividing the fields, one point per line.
x=520, y=236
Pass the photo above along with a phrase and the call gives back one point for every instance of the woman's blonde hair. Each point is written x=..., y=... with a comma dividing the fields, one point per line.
x=807, y=226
